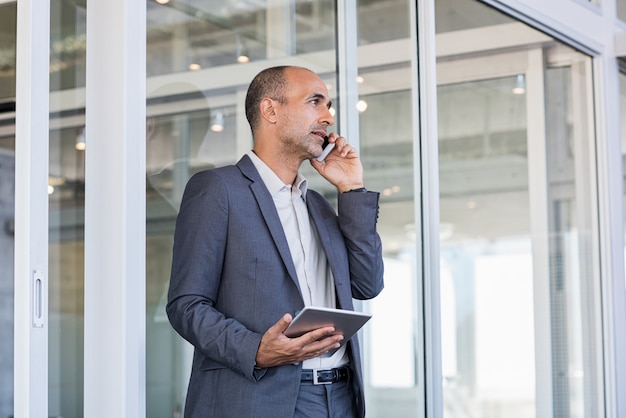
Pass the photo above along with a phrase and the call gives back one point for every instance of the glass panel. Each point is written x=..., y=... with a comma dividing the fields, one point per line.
x=7, y=55
x=188, y=36
x=7, y=202
x=387, y=139
x=387, y=150
x=621, y=9
x=66, y=188
x=477, y=283
x=380, y=21
x=520, y=305
x=7, y=205
x=196, y=121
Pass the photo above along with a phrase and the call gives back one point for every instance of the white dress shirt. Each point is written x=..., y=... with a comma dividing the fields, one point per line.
x=315, y=278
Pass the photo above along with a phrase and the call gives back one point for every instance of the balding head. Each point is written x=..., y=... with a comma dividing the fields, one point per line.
x=271, y=82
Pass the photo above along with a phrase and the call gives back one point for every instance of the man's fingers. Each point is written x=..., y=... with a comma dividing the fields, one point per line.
x=320, y=340
x=319, y=347
x=282, y=323
x=318, y=334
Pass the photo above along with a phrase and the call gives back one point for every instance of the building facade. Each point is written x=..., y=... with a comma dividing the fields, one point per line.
x=494, y=130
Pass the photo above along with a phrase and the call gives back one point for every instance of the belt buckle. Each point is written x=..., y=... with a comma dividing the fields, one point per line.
x=316, y=378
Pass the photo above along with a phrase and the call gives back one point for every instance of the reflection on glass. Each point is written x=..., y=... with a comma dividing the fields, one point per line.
x=519, y=304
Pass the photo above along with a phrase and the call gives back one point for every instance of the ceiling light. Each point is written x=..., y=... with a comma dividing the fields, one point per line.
x=361, y=105
x=162, y=1
x=217, y=122
x=194, y=67
x=243, y=55
x=80, y=140
x=520, y=85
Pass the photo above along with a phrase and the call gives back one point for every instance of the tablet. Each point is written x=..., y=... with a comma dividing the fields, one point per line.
x=310, y=318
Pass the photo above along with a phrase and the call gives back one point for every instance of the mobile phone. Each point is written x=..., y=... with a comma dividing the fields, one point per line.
x=326, y=149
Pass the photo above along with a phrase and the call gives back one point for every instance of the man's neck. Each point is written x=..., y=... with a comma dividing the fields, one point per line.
x=287, y=171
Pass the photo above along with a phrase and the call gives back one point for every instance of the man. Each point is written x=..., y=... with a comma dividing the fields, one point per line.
x=253, y=246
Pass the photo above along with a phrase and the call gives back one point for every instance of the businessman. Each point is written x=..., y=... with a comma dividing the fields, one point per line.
x=253, y=245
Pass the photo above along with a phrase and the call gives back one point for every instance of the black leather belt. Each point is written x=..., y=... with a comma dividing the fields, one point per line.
x=325, y=377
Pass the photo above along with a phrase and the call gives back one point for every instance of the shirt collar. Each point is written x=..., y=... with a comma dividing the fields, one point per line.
x=271, y=180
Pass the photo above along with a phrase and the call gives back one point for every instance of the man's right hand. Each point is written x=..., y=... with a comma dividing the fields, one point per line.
x=277, y=349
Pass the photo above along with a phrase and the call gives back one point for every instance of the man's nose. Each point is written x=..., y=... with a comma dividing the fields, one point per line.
x=328, y=117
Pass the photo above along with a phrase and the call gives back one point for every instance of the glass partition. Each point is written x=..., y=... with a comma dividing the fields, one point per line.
x=8, y=13
x=201, y=58
x=66, y=190
x=520, y=303
x=387, y=125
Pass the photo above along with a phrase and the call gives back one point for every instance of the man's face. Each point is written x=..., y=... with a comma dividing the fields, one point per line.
x=305, y=116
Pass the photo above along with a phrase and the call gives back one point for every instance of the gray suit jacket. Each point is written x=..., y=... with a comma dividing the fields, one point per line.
x=233, y=277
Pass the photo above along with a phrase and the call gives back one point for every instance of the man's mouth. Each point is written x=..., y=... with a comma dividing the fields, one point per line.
x=321, y=134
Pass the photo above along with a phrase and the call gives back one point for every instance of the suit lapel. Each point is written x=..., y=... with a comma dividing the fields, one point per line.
x=269, y=214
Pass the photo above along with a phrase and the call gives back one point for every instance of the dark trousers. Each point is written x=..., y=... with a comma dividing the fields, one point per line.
x=325, y=401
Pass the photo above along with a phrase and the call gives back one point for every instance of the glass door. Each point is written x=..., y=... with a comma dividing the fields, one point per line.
x=48, y=370
x=31, y=274
x=520, y=306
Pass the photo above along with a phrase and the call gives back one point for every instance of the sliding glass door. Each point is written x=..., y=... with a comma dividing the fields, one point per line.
x=521, y=331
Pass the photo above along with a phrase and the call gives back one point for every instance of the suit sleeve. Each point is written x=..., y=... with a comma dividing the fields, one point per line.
x=198, y=254
x=358, y=215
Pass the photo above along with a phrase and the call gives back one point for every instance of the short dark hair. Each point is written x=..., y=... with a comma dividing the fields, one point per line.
x=270, y=82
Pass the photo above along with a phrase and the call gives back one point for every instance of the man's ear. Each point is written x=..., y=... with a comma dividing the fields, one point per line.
x=268, y=110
